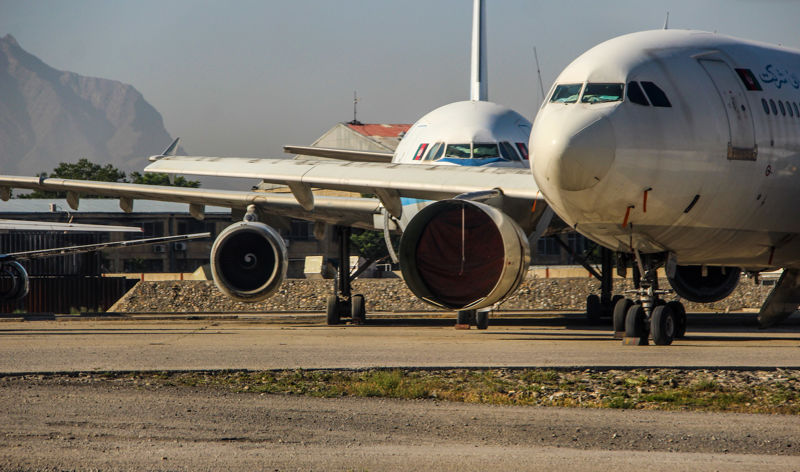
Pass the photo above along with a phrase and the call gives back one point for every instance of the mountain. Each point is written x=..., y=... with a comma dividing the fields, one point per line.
x=48, y=116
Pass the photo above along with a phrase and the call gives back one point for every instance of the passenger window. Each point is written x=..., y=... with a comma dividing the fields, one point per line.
x=458, y=150
x=773, y=107
x=601, y=93
x=765, y=105
x=783, y=110
x=508, y=152
x=420, y=151
x=567, y=93
x=523, y=150
x=636, y=95
x=789, y=109
x=657, y=96
x=484, y=150
x=435, y=149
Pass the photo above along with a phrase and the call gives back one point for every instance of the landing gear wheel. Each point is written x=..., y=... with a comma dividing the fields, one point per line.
x=621, y=308
x=635, y=325
x=663, y=325
x=358, y=310
x=482, y=319
x=594, y=309
x=333, y=315
x=680, y=316
x=464, y=317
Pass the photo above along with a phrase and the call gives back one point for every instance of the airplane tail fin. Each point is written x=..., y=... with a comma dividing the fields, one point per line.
x=479, y=83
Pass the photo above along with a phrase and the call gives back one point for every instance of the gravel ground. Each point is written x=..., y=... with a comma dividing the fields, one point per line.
x=392, y=295
x=89, y=423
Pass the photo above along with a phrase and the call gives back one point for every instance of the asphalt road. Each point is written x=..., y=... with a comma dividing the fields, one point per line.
x=263, y=343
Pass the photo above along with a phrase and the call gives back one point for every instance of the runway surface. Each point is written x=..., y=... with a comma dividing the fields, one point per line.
x=303, y=341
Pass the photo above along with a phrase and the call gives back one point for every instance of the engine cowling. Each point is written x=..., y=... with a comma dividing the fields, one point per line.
x=461, y=254
x=14, y=282
x=249, y=261
x=692, y=284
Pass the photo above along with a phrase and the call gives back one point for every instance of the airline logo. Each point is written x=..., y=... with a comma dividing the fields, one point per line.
x=778, y=76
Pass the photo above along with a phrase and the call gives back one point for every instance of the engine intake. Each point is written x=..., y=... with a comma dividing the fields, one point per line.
x=14, y=282
x=692, y=284
x=248, y=261
x=461, y=254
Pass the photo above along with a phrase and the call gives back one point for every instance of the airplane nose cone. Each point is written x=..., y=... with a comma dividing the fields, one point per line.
x=575, y=157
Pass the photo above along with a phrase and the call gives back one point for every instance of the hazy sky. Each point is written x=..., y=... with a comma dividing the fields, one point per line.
x=242, y=78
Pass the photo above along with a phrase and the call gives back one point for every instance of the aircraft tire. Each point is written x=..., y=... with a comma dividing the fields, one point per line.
x=358, y=309
x=594, y=309
x=482, y=319
x=663, y=325
x=620, y=312
x=465, y=317
x=680, y=317
x=635, y=326
x=333, y=315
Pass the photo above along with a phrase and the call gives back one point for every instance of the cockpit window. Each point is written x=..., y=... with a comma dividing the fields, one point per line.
x=458, y=150
x=635, y=94
x=508, y=152
x=484, y=150
x=566, y=93
x=435, y=152
x=601, y=93
x=657, y=96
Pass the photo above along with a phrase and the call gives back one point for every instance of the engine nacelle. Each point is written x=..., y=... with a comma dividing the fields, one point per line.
x=14, y=282
x=717, y=283
x=249, y=261
x=461, y=254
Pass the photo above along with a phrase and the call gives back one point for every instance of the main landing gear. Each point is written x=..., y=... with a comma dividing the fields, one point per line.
x=342, y=304
x=647, y=315
x=479, y=318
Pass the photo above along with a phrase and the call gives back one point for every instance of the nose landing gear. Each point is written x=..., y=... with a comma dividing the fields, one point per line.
x=649, y=316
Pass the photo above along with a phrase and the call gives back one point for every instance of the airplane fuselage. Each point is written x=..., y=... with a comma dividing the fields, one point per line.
x=677, y=141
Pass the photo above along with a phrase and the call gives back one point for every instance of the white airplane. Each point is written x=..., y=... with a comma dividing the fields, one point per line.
x=681, y=148
x=475, y=151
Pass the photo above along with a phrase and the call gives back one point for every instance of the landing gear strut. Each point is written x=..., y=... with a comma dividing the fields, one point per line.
x=342, y=303
x=647, y=315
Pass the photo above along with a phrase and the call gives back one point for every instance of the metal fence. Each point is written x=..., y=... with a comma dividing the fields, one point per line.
x=70, y=295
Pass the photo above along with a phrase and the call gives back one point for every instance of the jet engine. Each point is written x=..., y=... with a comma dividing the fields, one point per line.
x=704, y=285
x=249, y=261
x=13, y=281
x=462, y=254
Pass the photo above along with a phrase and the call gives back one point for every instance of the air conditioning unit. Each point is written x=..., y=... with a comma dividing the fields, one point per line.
x=179, y=246
x=159, y=248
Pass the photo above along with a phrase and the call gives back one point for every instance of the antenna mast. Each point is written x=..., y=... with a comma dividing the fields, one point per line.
x=666, y=22
x=539, y=74
x=355, y=109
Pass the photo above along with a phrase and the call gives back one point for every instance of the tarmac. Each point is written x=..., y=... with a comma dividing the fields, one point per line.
x=302, y=340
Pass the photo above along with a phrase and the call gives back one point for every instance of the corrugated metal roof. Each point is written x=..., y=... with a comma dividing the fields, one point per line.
x=379, y=130
x=98, y=205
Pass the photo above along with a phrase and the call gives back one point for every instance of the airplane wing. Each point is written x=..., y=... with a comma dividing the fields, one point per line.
x=356, y=212
x=21, y=225
x=342, y=154
x=390, y=182
x=63, y=251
